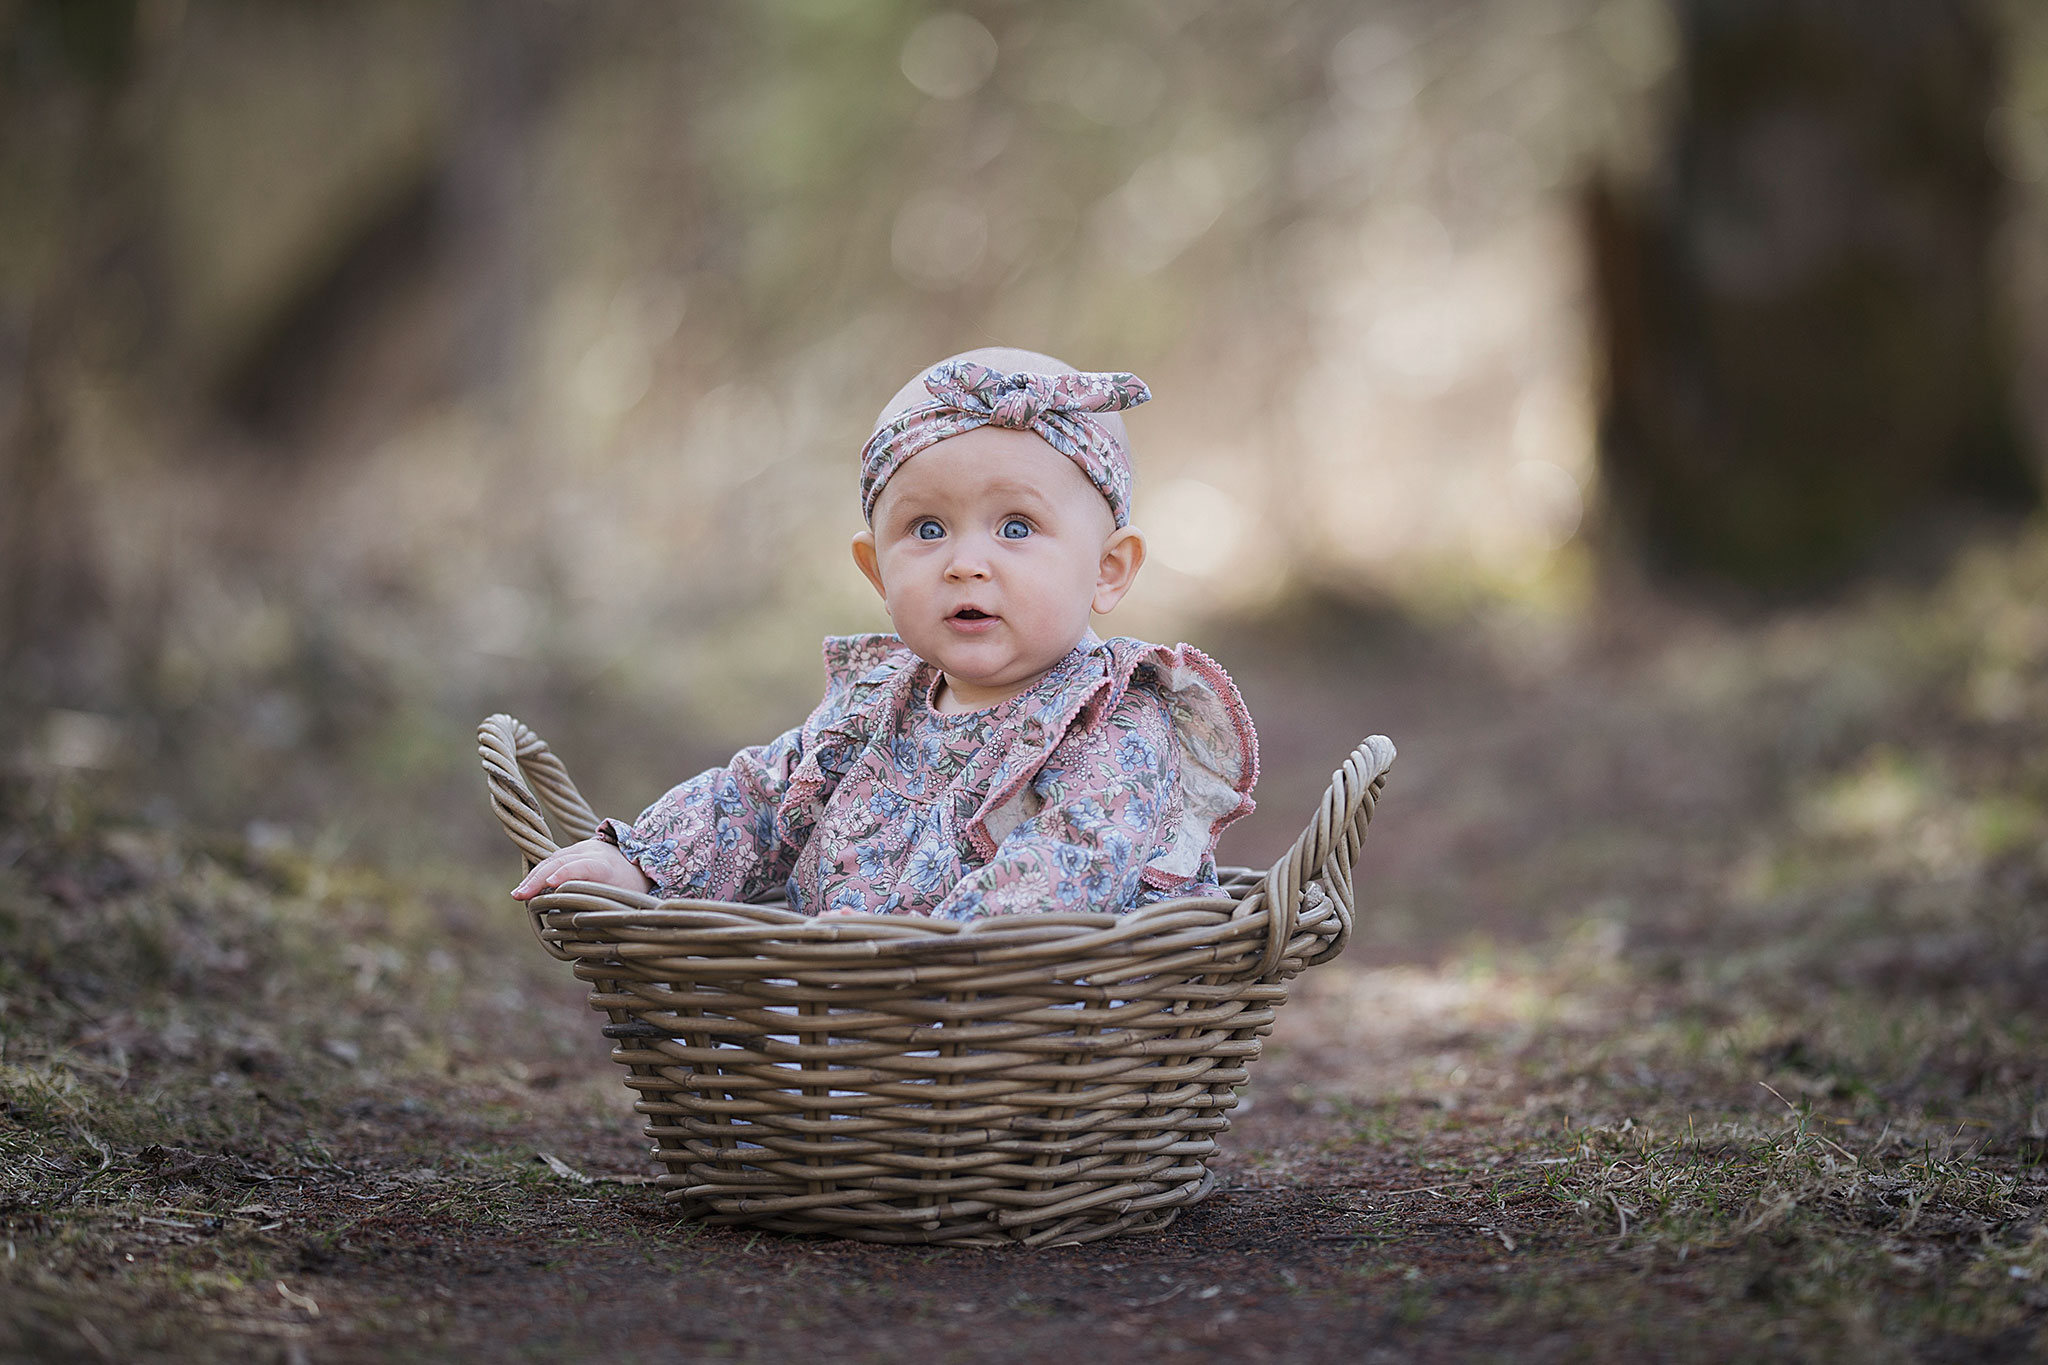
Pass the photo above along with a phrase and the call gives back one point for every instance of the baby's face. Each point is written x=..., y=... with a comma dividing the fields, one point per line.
x=991, y=548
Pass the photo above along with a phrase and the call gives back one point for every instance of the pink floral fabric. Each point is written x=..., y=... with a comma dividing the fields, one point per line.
x=1056, y=406
x=1101, y=787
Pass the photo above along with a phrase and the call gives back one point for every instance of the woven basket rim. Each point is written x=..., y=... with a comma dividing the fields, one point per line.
x=598, y=904
x=534, y=796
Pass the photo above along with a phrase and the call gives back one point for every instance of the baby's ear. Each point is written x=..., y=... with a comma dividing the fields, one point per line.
x=1122, y=556
x=864, y=555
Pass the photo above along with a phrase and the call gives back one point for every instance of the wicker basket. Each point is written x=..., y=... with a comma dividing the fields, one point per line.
x=1036, y=1079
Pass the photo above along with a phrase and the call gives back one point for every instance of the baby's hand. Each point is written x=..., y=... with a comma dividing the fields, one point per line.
x=593, y=860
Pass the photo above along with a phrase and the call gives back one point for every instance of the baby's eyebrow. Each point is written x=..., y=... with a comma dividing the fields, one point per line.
x=1005, y=488
x=1024, y=495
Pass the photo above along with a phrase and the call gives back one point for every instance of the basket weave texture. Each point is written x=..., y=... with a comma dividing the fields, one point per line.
x=1035, y=1079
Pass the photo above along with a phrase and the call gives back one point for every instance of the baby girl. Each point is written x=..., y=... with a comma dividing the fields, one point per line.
x=993, y=756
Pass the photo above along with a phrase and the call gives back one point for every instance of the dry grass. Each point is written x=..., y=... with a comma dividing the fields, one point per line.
x=199, y=1042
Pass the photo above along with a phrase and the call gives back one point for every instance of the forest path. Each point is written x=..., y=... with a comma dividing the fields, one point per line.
x=1580, y=1089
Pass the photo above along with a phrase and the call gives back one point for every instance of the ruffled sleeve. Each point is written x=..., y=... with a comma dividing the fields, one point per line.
x=1151, y=761
x=1103, y=805
x=1217, y=750
x=733, y=833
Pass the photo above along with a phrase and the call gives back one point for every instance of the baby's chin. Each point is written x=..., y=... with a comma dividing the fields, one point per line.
x=961, y=675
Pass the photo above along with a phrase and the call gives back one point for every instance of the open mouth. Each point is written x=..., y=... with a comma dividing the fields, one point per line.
x=972, y=614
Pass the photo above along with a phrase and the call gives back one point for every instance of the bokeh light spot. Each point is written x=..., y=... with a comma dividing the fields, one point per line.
x=1548, y=499
x=1199, y=527
x=939, y=239
x=949, y=55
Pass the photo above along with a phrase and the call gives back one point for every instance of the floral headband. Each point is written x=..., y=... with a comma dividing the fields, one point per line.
x=1055, y=406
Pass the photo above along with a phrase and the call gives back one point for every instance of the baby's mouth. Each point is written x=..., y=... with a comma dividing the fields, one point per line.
x=972, y=614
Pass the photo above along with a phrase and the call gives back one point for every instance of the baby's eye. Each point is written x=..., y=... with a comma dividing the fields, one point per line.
x=928, y=529
x=1014, y=528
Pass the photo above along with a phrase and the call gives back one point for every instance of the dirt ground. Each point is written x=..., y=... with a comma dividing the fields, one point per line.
x=1697, y=1013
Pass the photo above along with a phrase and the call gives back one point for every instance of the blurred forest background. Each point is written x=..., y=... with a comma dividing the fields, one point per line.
x=367, y=367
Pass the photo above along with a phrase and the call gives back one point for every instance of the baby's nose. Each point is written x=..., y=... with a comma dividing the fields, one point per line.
x=967, y=562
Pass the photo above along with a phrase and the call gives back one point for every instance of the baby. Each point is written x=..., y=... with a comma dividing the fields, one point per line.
x=993, y=756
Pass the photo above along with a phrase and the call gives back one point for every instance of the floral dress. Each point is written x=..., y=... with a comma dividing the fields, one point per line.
x=1102, y=786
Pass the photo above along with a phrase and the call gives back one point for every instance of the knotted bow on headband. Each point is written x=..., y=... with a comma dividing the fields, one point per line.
x=1055, y=406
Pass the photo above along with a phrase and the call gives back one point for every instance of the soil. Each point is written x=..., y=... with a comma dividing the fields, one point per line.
x=1423, y=1169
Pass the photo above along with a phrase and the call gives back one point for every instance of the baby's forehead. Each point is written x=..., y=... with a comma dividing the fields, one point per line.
x=993, y=463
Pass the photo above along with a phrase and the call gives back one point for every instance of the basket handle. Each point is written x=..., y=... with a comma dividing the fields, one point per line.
x=529, y=786
x=1325, y=852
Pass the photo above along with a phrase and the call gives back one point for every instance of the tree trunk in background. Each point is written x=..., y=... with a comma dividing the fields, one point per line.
x=426, y=297
x=1803, y=354
x=64, y=69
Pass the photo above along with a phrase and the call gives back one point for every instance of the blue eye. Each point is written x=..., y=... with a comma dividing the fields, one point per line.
x=1014, y=528
x=928, y=529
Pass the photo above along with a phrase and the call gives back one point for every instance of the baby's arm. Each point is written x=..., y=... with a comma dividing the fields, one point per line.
x=1112, y=798
x=715, y=836
x=593, y=860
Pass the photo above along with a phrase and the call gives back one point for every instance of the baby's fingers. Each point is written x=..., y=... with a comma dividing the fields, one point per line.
x=550, y=871
x=563, y=865
x=581, y=868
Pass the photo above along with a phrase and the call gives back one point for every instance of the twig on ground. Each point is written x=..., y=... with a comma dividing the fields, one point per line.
x=1432, y=1189
x=568, y=1172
